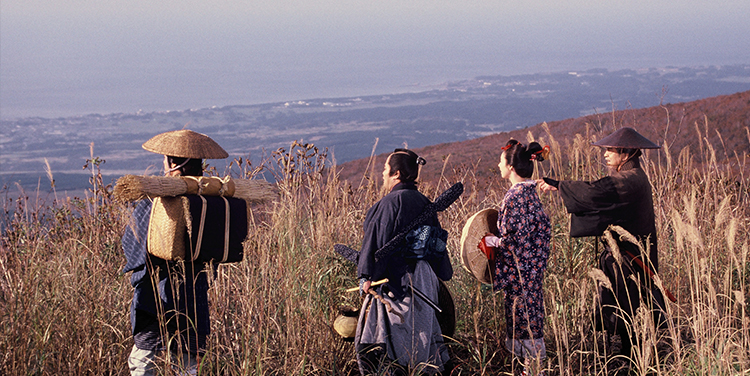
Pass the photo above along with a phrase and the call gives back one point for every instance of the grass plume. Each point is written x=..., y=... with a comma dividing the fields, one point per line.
x=64, y=303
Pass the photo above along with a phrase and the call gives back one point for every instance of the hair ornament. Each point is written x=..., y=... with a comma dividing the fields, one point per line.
x=540, y=155
x=421, y=161
x=545, y=151
x=511, y=143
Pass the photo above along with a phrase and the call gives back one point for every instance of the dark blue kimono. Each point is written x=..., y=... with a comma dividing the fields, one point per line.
x=171, y=295
x=386, y=219
x=408, y=333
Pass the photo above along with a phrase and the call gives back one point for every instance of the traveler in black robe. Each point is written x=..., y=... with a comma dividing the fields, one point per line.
x=622, y=199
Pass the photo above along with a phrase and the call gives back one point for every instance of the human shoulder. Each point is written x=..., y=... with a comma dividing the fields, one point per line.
x=632, y=183
x=405, y=193
x=629, y=177
x=388, y=203
x=528, y=186
x=521, y=189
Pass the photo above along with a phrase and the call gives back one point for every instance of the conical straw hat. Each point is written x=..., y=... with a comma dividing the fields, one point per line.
x=627, y=138
x=472, y=258
x=185, y=144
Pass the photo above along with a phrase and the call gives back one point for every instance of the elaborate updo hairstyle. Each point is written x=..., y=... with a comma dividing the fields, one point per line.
x=407, y=163
x=522, y=158
x=186, y=166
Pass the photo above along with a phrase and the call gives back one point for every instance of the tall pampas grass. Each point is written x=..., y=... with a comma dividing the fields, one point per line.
x=64, y=303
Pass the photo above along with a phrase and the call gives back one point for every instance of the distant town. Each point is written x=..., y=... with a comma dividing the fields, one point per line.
x=347, y=127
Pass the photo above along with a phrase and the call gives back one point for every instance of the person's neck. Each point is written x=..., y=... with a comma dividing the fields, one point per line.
x=515, y=179
x=403, y=185
x=630, y=164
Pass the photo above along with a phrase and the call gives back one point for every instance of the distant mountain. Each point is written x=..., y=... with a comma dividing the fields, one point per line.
x=722, y=121
x=348, y=127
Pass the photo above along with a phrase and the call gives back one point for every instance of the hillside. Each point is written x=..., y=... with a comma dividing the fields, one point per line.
x=65, y=302
x=456, y=111
x=723, y=121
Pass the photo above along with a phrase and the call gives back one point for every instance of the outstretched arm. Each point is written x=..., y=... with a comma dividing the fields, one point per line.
x=547, y=185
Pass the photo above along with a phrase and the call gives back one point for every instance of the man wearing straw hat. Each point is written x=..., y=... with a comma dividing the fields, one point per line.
x=170, y=300
x=621, y=199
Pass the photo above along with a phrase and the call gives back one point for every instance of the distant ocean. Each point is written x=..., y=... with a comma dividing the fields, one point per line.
x=79, y=90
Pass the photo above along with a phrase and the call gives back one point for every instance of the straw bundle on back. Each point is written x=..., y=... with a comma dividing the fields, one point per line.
x=254, y=190
x=133, y=188
x=202, y=228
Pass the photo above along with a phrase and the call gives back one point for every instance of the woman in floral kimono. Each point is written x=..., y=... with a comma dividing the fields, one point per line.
x=519, y=252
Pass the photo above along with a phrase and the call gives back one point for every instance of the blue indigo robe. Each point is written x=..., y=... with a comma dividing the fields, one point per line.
x=409, y=335
x=383, y=221
x=171, y=295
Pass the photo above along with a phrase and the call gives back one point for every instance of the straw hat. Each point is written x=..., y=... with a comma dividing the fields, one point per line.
x=626, y=138
x=346, y=323
x=472, y=258
x=185, y=144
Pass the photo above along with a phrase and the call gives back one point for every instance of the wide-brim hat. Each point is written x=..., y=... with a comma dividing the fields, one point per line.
x=472, y=258
x=626, y=138
x=185, y=144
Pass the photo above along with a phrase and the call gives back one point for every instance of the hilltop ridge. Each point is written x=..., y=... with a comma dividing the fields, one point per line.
x=347, y=127
x=722, y=121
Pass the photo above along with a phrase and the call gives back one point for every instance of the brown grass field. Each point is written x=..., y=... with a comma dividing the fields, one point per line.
x=64, y=303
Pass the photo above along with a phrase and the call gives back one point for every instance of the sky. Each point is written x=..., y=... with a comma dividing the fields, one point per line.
x=73, y=57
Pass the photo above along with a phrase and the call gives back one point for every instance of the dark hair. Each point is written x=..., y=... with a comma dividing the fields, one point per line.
x=407, y=163
x=193, y=167
x=633, y=156
x=521, y=158
x=632, y=153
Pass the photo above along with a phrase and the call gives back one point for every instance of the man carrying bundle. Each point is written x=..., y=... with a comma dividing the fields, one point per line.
x=170, y=301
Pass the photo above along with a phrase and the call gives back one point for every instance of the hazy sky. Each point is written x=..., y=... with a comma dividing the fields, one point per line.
x=78, y=56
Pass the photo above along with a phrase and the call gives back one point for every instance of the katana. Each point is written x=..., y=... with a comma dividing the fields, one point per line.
x=426, y=299
x=415, y=290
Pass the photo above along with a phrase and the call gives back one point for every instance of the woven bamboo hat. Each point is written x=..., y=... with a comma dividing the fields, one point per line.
x=626, y=138
x=472, y=258
x=346, y=323
x=185, y=144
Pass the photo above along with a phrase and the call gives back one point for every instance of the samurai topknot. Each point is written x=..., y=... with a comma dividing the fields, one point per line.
x=407, y=163
x=522, y=158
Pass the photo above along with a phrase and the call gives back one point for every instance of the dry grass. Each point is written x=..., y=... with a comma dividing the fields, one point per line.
x=64, y=303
